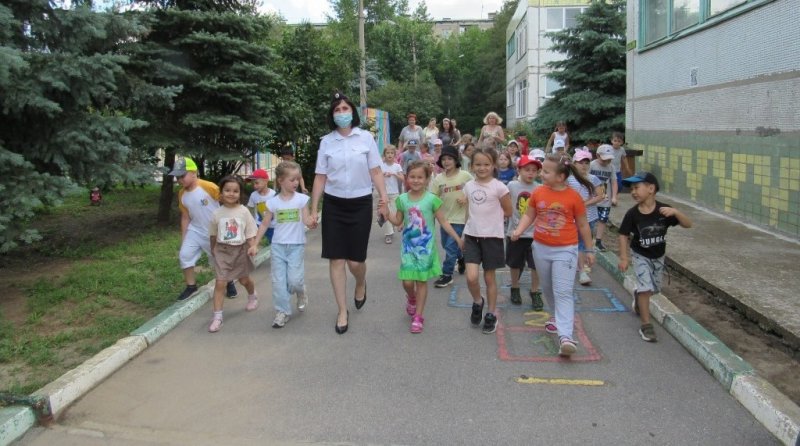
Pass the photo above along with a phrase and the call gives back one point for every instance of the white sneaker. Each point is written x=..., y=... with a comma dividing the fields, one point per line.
x=584, y=278
x=280, y=320
x=302, y=300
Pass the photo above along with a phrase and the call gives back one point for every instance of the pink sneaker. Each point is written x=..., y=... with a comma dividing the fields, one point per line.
x=550, y=326
x=216, y=324
x=252, y=303
x=411, y=305
x=416, y=323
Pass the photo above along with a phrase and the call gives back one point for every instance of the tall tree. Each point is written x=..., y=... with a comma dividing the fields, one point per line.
x=400, y=98
x=62, y=110
x=229, y=106
x=592, y=77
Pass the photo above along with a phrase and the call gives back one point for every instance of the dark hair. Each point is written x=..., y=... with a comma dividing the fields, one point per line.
x=232, y=179
x=561, y=124
x=565, y=166
x=450, y=129
x=336, y=99
x=619, y=135
x=416, y=164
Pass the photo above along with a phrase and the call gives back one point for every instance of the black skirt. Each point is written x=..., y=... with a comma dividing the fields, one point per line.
x=346, y=223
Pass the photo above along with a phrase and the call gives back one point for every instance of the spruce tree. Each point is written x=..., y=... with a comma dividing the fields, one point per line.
x=230, y=103
x=62, y=116
x=592, y=76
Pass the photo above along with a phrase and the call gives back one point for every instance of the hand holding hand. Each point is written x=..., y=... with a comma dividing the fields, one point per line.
x=623, y=265
x=252, y=251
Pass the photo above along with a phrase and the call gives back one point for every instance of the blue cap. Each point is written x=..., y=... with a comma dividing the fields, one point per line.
x=641, y=177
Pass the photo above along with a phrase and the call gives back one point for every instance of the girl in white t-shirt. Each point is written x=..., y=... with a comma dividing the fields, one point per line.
x=393, y=177
x=560, y=134
x=290, y=211
x=488, y=204
x=233, y=236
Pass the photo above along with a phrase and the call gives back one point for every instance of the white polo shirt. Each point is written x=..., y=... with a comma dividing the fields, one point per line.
x=346, y=161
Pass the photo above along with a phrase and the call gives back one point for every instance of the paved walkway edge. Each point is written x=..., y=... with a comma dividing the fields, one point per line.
x=773, y=409
x=69, y=387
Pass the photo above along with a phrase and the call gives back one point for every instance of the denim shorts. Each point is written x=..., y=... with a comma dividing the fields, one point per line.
x=581, y=246
x=603, y=213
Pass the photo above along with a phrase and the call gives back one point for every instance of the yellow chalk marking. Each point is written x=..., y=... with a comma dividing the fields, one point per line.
x=560, y=381
x=539, y=318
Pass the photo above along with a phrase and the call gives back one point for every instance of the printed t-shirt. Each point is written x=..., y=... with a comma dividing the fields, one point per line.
x=450, y=189
x=555, y=215
x=520, y=194
x=200, y=203
x=648, y=232
x=583, y=191
x=419, y=257
x=232, y=226
x=485, y=211
x=606, y=174
x=288, y=217
x=259, y=203
x=407, y=134
x=392, y=186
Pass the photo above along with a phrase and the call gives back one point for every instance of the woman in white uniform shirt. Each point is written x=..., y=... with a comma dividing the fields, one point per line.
x=348, y=165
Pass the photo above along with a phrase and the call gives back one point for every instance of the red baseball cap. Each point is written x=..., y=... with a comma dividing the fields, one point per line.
x=259, y=174
x=524, y=160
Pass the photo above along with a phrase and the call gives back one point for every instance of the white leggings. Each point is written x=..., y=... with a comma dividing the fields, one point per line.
x=556, y=267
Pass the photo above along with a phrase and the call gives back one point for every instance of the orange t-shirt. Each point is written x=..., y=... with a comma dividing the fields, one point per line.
x=555, y=215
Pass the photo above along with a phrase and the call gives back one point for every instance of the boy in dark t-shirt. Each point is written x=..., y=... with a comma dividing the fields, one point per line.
x=644, y=228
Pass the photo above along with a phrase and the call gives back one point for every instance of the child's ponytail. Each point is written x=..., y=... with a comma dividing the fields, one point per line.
x=565, y=166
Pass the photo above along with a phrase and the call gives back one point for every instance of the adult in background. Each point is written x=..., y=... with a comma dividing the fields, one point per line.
x=348, y=165
x=409, y=132
x=449, y=135
x=431, y=132
x=492, y=134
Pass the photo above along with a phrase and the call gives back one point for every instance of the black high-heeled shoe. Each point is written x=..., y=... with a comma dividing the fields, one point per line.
x=360, y=303
x=342, y=329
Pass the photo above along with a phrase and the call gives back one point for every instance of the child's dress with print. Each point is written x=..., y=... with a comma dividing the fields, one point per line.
x=419, y=258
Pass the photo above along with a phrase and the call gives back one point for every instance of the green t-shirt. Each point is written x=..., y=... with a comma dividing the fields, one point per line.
x=450, y=189
x=419, y=258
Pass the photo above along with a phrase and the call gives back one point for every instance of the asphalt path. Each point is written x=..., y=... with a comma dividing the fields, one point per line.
x=251, y=384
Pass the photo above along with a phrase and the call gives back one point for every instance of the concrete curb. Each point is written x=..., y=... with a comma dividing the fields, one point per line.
x=14, y=422
x=773, y=409
x=69, y=387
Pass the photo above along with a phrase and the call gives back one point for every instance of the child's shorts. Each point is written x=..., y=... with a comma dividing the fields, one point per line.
x=603, y=213
x=581, y=246
x=484, y=250
x=648, y=273
x=232, y=262
x=519, y=252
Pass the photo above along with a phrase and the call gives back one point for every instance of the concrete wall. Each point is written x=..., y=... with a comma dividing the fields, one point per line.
x=717, y=112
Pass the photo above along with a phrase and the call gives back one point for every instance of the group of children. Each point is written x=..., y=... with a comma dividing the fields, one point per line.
x=544, y=217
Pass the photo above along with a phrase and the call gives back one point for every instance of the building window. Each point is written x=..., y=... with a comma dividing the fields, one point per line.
x=511, y=47
x=550, y=86
x=522, y=42
x=562, y=18
x=685, y=13
x=510, y=96
x=660, y=19
x=522, y=96
x=718, y=6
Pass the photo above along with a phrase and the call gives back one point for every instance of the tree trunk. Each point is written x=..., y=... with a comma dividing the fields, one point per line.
x=165, y=200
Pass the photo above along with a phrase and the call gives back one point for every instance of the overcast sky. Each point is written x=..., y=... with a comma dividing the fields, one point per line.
x=314, y=11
